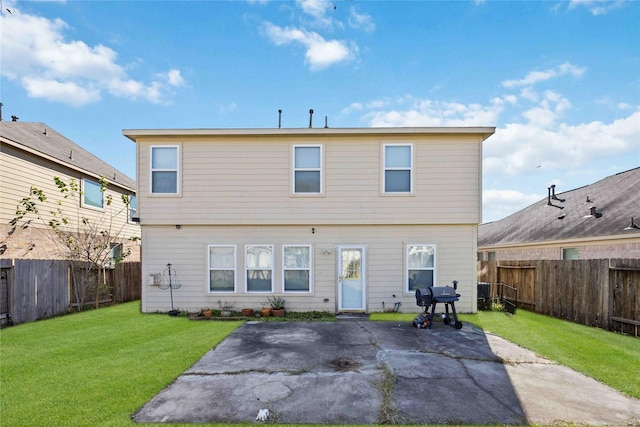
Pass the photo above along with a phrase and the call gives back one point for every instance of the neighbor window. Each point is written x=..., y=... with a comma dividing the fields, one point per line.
x=307, y=169
x=115, y=254
x=259, y=268
x=92, y=195
x=164, y=170
x=296, y=268
x=133, y=208
x=398, y=162
x=421, y=266
x=570, y=253
x=222, y=268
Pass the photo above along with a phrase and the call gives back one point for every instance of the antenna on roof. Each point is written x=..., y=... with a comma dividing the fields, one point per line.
x=279, y=119
x=310, y=118
x=549, y=199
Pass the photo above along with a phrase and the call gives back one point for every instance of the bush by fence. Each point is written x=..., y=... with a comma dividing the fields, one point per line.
x=33, y=289
x=597, y=292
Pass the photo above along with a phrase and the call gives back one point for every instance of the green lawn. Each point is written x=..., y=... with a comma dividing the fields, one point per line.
x=611, y=358
x=97, y=368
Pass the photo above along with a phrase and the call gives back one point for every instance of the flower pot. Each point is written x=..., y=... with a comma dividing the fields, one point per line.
x=207, y=313
x=225, y=313
x=278, y=312
x=266, y=312
x=247, y=312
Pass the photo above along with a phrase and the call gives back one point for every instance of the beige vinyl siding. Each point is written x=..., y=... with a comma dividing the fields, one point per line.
x=19, y=171
x=220, y=185
x=186, y=249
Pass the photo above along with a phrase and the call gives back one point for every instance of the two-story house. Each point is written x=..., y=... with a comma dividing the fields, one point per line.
x=339, y=220
x=31, y=155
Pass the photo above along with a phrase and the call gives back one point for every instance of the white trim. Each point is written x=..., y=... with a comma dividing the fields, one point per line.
x=310, y=269
x=406, y=265
x=385, y=169
x=176, y=170
x=83, y=182
x=209, y=268
x=271, y=268
x=294, y=169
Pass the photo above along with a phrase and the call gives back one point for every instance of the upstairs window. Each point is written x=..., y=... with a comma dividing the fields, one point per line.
x=259, y=268
x=164, y=170
x=421, y=266
x=92, y=195
x=307, y=169
x=133, y=208
x=398, y=168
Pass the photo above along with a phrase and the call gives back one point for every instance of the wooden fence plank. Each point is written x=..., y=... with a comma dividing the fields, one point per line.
x=597, y=292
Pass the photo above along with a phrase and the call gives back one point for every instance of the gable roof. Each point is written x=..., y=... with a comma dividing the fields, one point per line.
x=616, y=199
x=40, y=139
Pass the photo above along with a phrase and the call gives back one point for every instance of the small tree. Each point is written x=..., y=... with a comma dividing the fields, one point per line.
x=85, y=242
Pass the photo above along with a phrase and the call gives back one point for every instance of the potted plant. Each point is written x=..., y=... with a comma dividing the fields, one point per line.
x=277, y=306
x=207, y=312
x=225, y=308
x=265, y=311
x=247, y=312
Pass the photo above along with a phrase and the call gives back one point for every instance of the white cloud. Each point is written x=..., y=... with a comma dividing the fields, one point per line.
x=598, y=7
x=502, y=203
x=320, y=53
x=534, y=77
x=432, y=113
x=361, y=21
x=315, y=8
x=35, y=52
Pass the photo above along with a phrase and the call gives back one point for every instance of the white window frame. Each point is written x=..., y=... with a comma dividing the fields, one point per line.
x=210, y=268
x=408, y=268
x=309, y=269
x=176, y=170
x=84, y=192
x=295, y=169
x=270, y=268
x=385, y=168
x=133, y=212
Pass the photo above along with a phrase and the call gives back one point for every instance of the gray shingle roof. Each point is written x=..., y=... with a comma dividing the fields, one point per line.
x=616, y=198
x=43, y=139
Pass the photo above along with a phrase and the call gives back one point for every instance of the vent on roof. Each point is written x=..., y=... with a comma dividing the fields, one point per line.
x=632, y=226
x=593, y=213
x=549, y=199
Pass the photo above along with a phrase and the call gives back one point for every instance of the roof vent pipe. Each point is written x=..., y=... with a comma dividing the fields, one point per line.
x=279, y=119
x=310, y=118
x=1, y=111
x=326, y=122
x=553, y=194
x=633, y=226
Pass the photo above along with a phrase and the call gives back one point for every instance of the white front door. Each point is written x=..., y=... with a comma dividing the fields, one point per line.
x=351, y=278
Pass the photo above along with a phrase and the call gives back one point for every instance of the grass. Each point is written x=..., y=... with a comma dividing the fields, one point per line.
x=608, y=357
x=97, y=368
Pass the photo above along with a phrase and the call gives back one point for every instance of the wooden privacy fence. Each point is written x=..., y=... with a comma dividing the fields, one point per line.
x=38, y=289
x=597, y=292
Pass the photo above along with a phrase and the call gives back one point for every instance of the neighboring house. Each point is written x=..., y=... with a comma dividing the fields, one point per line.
x=601, y=220
x=31, y=155
x=339, y=220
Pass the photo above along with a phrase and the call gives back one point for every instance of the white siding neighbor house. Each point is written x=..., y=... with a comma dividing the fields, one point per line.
x=338, y=220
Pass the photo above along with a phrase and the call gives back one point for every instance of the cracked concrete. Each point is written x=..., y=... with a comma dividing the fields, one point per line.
x=361, y=372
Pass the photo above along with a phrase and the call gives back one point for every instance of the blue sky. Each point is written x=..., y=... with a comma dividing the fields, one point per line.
x=560, y=80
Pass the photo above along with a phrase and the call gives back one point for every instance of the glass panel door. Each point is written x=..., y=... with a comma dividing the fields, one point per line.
x=351, y=281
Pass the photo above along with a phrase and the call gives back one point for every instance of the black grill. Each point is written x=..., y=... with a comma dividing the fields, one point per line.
x=447, y=295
